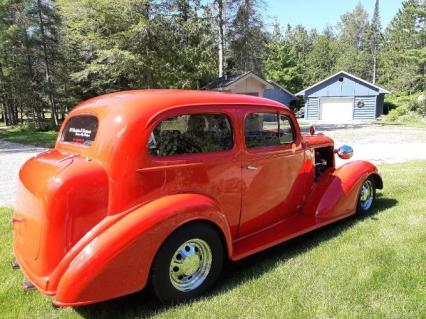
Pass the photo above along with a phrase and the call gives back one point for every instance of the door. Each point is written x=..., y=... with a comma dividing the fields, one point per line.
x=272, y=170
x=336, y=110
x=195, y=153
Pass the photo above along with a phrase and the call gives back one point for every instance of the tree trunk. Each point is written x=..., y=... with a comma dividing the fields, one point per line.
x=5, y=115
x=221, y=38
x=374, y=67
x=34, y=107
x=47, y=68
x=146, y=12
x=6, y=105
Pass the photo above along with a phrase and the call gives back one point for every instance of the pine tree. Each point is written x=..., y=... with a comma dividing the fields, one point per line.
x=375, y=38
x=321, y=61
x=43, y=11
x=403, y=54
x=353, y=44
x=301, y=42
x=247, y=38
x=280, y=64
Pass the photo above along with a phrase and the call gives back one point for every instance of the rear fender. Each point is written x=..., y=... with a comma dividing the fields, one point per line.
x=117, y=262
x=336, y=192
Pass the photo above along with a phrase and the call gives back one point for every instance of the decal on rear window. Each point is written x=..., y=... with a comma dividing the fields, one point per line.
x=81, y=130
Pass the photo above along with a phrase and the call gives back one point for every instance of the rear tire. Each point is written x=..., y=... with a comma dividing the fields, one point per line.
x=188, y=263
x=367, y=196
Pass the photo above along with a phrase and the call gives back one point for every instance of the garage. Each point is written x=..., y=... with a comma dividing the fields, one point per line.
x=335, y=110
x=341, y=98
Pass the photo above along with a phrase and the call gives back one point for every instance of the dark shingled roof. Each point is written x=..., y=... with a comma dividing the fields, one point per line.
x=224, y=81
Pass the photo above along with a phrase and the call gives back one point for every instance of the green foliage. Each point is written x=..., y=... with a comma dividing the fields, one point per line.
x=353, y=43
x=406, y=108
x=54, y=54
x=397, y=113
x=403, y=55
x=29, y=135
x=321, y=60
x=280, y=65
x=247, y=37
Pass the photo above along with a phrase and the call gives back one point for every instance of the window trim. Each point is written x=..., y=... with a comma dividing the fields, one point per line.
x=183, y=112
x=293, y=131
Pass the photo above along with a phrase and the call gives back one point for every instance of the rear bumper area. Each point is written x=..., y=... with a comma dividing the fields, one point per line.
x=41, y=283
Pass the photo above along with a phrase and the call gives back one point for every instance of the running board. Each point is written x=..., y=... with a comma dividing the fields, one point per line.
x=290, y=228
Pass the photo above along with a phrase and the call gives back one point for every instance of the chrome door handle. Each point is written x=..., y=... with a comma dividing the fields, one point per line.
x=251, y=168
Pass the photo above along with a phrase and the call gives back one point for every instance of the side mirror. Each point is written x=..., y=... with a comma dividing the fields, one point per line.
x=345, y=152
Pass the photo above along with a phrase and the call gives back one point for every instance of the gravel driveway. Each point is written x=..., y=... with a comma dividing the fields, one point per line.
x=379, y=144
x=12, y=156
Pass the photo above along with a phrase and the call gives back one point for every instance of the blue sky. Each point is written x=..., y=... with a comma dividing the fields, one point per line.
x=319, y=13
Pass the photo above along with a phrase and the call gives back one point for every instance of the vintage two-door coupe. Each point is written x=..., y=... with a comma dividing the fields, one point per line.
x=160, y=187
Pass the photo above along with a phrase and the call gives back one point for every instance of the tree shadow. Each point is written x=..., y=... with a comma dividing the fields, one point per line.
x=144, y=305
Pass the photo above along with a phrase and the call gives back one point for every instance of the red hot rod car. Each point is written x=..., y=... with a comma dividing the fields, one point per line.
x=159, y=187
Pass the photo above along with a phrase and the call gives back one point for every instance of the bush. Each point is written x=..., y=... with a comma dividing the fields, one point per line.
x=405, y=108
x=394, y=114
x=418, y=106
x=410, y=117
x=388, y=106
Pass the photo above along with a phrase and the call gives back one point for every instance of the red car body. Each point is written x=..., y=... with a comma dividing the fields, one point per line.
x=90, y=219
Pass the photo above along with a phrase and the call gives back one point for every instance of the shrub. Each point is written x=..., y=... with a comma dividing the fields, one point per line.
x=418, y=106
x=410, y=117
x=394, y=114
x=403, y=108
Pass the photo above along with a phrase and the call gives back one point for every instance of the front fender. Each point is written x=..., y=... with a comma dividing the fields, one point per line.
x=336, y=192
x=117, y=262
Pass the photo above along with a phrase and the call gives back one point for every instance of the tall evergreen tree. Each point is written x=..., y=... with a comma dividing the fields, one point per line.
x=321, y=61
x=280, y=64
x=354, y=52
x=375, y=38
x=44, y=11
x=247, y=38
x=301, y=42
x=403, y=54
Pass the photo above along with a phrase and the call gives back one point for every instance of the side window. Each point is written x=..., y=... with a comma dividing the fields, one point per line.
x=286, y=130
x=261, y=129
x=267, y=129
x=194, y=133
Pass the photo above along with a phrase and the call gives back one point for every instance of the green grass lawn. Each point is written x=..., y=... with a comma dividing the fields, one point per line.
x=26, y=136
x=362, y=267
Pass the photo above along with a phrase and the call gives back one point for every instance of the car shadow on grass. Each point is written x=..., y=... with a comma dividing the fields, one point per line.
x=143, y=304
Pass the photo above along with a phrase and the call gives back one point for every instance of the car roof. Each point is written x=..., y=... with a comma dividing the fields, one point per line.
x=150, y=102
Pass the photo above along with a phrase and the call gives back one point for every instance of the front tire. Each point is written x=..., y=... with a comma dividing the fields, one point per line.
x=188, y=263
x=367, y=196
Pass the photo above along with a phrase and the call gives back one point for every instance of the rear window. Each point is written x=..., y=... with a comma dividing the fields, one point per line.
x=81, y=130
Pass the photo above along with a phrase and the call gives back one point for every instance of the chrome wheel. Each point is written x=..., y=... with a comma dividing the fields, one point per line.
x=190, y=265
x=366, y=196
